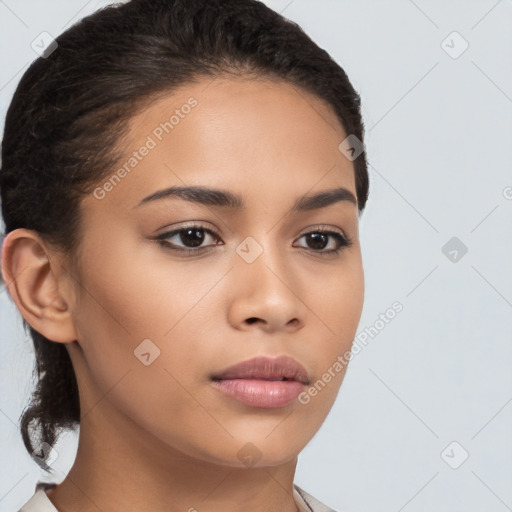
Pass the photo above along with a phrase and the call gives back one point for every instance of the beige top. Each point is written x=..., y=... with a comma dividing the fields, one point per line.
x=40, y=502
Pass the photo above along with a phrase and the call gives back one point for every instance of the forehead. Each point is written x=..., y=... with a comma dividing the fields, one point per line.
x=239, y=133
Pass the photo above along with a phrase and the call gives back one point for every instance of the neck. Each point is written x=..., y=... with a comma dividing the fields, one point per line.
x=119, y=466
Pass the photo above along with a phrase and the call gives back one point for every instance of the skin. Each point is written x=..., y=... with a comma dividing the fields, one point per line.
x=160, y=437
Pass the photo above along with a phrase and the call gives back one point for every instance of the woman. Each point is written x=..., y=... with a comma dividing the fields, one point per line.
x=181, y=186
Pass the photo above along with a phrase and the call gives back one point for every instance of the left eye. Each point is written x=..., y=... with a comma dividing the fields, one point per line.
x=318, y=240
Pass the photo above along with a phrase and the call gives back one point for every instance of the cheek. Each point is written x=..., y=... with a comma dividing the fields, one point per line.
x=127, y=293
x=336, y=300
x=336, y=305
x=125, y=303
x=132, y=294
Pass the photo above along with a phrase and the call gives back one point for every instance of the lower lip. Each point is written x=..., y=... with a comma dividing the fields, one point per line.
x=261, y=393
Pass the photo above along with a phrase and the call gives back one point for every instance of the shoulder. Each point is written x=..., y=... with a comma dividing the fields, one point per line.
x=39, y=502
x=312, y=502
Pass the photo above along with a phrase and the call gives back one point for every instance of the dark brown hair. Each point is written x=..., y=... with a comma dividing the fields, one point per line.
x=70, y=111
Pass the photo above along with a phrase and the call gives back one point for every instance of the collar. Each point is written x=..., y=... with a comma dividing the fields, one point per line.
x=41, y=503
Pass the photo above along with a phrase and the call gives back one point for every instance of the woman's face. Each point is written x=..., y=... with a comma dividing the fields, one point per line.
x=158, y=313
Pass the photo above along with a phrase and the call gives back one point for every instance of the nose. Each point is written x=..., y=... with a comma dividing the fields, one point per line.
x=267, y=295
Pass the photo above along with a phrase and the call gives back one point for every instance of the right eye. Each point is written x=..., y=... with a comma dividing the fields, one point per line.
x=191, y=238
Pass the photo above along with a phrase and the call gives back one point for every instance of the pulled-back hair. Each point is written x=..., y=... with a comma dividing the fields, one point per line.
x=71, y=110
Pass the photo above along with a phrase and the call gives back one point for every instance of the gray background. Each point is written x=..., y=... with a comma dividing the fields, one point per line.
x=434, y=385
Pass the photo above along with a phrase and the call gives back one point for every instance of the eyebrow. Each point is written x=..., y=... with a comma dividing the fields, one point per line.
x=225, y=199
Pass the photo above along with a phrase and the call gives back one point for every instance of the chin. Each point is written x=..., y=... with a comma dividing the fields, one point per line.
x=255, y=452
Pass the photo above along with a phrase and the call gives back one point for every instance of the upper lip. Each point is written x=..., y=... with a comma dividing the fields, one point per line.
x=279, y=368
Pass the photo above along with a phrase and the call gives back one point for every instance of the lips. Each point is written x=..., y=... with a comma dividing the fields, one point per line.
x=262, y=382
x=282, y=368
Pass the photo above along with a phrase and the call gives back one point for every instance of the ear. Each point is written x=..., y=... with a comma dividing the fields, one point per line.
x=36, y=283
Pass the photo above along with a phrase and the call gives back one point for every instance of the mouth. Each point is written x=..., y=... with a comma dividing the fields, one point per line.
x=281, y=368
x=263, y=382
x=217, y=379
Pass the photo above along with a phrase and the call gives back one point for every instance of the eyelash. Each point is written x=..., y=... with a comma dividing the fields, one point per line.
x=343, y=240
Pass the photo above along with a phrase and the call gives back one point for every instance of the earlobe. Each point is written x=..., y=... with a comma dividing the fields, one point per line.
x=32, y=278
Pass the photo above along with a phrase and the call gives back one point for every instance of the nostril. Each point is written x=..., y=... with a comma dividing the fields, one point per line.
x=252, y=320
